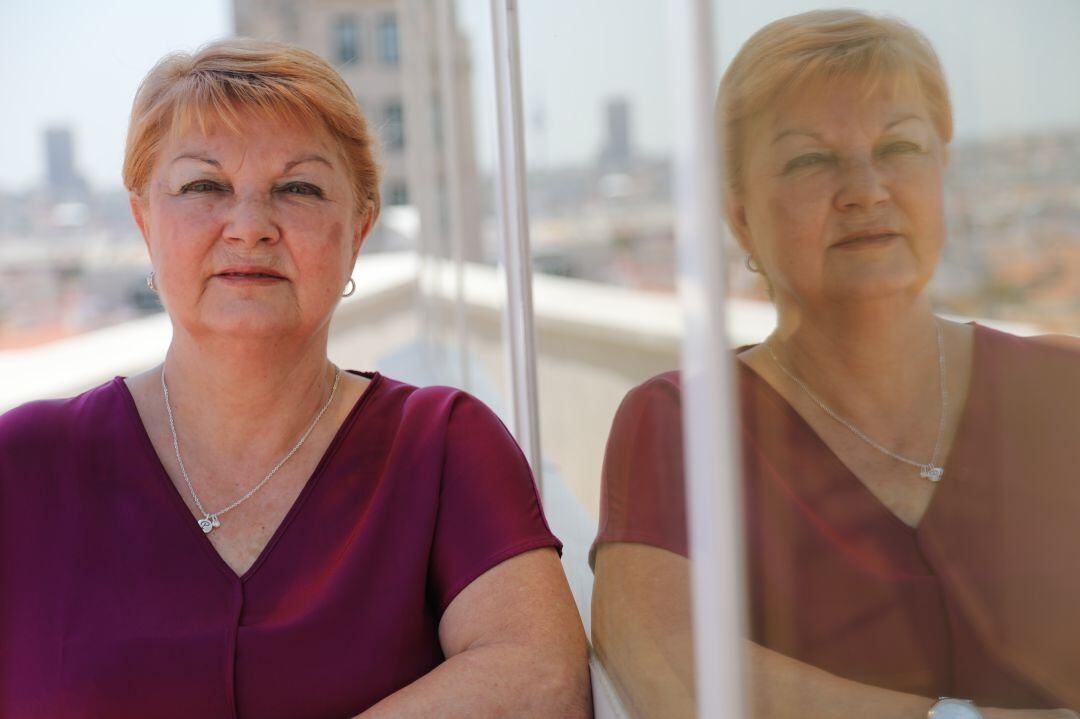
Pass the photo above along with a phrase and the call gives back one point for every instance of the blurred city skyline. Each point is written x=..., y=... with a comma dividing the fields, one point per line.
x=77, y=66
x=598, y=131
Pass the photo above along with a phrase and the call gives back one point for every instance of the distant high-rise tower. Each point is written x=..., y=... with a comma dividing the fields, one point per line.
x=618, y=146
x=63, y=182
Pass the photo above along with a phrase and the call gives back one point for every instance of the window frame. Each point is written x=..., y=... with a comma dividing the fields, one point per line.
x=346, y=29
x=388, y=38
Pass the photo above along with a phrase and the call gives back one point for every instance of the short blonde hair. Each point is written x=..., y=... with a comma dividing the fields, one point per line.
x=224, y=79
x=823, y=45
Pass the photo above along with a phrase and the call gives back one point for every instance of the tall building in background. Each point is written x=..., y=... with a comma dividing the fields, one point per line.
x=387, y=52
x=63, y=182
x=618, y=147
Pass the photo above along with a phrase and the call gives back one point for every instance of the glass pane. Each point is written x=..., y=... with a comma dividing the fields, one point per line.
x=608, y=335
x=901, y=231
x=485, y=351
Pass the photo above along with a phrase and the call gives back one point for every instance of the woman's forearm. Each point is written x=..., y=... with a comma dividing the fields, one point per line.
x=642, y=631
x=784, y=688
x=489, y=681
x=650, y=684
x=780, y=687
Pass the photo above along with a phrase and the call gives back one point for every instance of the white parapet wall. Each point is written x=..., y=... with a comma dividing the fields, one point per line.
x=594, y=342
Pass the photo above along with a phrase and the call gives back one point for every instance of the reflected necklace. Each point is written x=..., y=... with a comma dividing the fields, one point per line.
x=930, y=470
x=210, y=521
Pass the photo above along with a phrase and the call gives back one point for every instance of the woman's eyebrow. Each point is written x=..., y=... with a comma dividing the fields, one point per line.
x=903, y=119
x=796, y=131
x=308, y=158
x=288, y=166
x=816, y=136
x=200, y=158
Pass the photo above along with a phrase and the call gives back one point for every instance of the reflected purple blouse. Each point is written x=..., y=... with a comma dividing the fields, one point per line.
x=980, y=601
x=113, y=603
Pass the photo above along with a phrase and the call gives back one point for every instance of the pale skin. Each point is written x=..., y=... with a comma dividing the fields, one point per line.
x=842, y=208
x=247, y=372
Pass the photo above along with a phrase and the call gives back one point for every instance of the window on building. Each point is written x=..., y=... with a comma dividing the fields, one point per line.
x=388, y=39
x=346, y=40
x=397, y=194
x=393, y=126
x=437, y=121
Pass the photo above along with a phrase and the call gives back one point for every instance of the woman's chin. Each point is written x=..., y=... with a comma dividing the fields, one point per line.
x=876, y=272
x=249, y=325
x=876, y=284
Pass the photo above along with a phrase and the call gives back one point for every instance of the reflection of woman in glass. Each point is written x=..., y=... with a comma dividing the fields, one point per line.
x=247, y=530
x=910, y=483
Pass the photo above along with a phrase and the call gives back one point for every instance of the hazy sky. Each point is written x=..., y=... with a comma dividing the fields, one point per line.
x=1011, y=64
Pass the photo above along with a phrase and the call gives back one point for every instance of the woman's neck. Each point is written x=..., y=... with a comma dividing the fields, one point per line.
x=246, y=397
x=860, y=360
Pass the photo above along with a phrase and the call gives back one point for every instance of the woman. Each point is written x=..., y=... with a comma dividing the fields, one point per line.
x=909, y=482
x=247, y=530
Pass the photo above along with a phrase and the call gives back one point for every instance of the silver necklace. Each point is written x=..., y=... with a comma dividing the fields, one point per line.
x=929, y=470
x=211, y=521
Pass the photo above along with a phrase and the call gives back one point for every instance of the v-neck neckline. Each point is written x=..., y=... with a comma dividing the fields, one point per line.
x=189, y=519
x=803, y=427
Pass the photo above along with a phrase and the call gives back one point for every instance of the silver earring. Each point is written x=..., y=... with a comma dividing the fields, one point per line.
x=749, y=262
x=150, y=281
x=350, y=288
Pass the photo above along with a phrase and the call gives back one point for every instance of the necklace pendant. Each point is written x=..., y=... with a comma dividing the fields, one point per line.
x=208, y=523
x=932, y=473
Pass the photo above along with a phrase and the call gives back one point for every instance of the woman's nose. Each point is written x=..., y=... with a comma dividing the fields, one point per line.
x=861, y=185
x=251, y=220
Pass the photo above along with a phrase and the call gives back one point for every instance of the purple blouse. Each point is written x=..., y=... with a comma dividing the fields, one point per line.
x=980, y=600
x=114, y=603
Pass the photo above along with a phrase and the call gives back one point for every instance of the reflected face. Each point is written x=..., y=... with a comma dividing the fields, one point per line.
x=251, y=234
x=842, y=198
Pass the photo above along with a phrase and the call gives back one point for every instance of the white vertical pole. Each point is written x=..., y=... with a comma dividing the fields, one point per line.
x=714, y=499
x=514, y=225
x=446, y=33
x=419, y=149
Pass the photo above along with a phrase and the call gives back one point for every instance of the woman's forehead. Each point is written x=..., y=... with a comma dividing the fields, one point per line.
x=210, y=118
x=829, y=102
x=278, y=133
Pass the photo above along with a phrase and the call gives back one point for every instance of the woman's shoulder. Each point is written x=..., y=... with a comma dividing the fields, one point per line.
x=1057, y=343
x=668, y=383
x=662, y=389
x=53, y=418
x=651, y=409
x=429, y=408
x=1043, y=352
x=51, y=433
x=1027, y=377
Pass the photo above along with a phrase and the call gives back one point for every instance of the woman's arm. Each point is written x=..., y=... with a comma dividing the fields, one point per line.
x=514, y=646
x=642, y=631
x=641, y=628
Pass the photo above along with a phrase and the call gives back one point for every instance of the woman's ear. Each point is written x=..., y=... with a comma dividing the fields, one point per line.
x=735, y=210
x=139, y=211
x=361, y=231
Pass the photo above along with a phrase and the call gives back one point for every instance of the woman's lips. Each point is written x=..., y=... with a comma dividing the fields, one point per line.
x=258, y=278
x=867, y=241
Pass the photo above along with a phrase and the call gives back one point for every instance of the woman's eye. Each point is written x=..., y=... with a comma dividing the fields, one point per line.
x=808, y=160
x=900, y=148
x=201, y=186
x=302, y=188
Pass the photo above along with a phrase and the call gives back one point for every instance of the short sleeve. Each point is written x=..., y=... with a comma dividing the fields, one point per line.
x=489, y=509
x=643, y=496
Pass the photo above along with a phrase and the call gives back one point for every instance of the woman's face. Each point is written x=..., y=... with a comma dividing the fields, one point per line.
x=842, y=195
x=252, y=233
